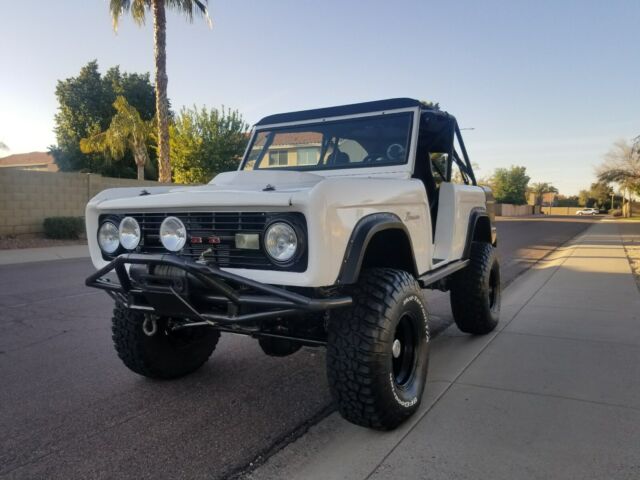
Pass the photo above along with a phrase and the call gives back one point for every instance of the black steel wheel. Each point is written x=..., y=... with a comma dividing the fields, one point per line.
x=378, y=350
x=475, y=291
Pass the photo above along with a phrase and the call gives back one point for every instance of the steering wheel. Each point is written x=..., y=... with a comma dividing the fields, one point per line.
x=395, y=152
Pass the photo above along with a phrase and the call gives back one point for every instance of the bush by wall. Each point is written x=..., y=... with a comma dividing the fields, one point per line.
x=63, y=227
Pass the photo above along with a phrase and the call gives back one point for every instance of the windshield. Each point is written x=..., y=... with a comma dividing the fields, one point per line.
x=360, y=142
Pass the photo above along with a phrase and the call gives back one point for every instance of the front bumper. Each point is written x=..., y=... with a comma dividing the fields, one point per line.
x=194, y=290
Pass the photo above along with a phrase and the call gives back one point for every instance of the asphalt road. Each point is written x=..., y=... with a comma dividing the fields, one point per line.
x=70, y=409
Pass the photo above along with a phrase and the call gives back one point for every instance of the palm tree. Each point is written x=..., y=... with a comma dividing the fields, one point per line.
x=127, y=131
x=138, y=9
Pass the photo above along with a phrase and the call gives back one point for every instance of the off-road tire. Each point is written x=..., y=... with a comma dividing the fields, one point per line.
x=475, y=291
x=165, y=354
x=363, y=375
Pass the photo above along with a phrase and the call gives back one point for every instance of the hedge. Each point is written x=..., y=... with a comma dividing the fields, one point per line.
x=63, y=227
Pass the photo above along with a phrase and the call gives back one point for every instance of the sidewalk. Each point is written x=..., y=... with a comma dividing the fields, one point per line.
x=27, y=255
x=555, y=393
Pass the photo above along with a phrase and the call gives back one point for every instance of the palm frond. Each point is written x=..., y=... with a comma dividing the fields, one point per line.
x=118, y=8
x=190, y=8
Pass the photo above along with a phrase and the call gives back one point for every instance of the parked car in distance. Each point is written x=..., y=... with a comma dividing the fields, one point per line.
x=588, y=211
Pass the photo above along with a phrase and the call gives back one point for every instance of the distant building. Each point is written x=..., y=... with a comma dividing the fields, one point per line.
x=548, y=199
x=38, y=161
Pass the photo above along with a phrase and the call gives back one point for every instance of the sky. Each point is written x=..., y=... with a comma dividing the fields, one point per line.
x=545, y=84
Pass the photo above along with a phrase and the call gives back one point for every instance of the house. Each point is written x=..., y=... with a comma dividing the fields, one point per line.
x=37, y=161
x=548, y=199
x=289, y=149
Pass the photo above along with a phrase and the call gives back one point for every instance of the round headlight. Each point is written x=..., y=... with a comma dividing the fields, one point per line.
x=281, y=241
x=129, y=233
x=173, y=234
x=108, y=237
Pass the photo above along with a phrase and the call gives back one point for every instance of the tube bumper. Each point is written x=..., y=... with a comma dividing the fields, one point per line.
x=186, y=288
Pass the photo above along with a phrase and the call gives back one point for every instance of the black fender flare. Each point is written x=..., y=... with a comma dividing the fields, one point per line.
x=361, y=235
x=476, y=216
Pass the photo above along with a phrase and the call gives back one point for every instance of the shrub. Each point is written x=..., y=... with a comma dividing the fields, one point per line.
x=616, y=212
x=63, y=227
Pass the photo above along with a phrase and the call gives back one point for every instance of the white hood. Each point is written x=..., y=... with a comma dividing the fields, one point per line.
x=241, y=188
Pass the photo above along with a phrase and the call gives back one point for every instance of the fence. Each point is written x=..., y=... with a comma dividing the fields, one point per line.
x=28, y=197
x=560, y=210
x=508, y=210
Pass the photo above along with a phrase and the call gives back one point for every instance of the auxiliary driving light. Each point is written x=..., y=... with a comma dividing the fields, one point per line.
x=129, y=233
x=173, y=234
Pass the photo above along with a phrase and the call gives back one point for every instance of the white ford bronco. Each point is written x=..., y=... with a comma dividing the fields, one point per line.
x=335, y=221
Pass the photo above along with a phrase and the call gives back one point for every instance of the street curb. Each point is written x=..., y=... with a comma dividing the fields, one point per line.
x=43, y=254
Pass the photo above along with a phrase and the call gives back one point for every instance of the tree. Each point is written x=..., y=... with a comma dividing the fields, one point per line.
x=3, y=146
x=598, y=195
x=539, y=189
x=206, y=142
x=622, y=166
x=585, y=199
x=430, y=104
x=85, y=106
x=138, y=10
x=127, y=132
x=601, y=193
x=509, y=185
x=570, y=201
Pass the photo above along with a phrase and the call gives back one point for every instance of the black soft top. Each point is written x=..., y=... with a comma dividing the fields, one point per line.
x=353, y=109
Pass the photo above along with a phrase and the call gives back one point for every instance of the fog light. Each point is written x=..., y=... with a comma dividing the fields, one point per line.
x=248, y=241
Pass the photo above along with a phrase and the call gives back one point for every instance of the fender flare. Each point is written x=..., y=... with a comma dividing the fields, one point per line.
x=475, y=215
x=361, y=235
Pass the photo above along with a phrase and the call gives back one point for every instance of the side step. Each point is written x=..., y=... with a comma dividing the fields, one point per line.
x=439, y=273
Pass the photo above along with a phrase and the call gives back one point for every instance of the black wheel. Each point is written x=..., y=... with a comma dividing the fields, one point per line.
x=475, y=291
x=147, y=345
x=278, y=347
x=378, y=350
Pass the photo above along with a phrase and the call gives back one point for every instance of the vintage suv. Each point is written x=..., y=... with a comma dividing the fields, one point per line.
x=325, y=236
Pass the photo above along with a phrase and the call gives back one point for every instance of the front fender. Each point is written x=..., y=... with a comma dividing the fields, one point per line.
x=366, y=228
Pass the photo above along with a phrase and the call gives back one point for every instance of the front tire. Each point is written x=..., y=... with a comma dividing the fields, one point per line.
x=165, y=353
x=475, y=291
x=378, y=350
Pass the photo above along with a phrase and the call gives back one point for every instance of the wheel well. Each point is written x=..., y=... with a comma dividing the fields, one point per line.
x=482, y=230
x=390, y=248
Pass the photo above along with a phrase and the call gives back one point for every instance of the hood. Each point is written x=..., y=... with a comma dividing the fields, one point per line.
x=241, y=188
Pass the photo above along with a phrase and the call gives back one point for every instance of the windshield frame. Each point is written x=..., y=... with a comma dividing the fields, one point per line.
x=406, y=166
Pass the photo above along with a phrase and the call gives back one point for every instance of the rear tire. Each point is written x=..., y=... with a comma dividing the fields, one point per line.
x=165, y=354
x=378, y=350
x=475, y=291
